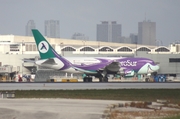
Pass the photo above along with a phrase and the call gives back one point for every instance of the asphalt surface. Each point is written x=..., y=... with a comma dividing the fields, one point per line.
x=73, y=86
x=65, y=108
x=52, y=108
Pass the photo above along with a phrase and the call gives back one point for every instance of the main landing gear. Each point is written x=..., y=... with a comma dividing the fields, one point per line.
x=103, y=79
x=87, y=79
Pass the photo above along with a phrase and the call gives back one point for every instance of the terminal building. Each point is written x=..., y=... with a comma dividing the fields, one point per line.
x=13, y=49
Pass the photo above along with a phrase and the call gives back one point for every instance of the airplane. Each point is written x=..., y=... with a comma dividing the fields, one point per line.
x=99, y=67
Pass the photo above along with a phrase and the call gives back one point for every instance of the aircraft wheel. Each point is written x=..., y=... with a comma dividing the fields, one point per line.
x=87, y=79
x=105, y=79
x=147, y=79
x=100, y=79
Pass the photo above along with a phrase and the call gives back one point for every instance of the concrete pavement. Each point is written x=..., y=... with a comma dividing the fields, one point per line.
x=52, y=108
x=74, y=86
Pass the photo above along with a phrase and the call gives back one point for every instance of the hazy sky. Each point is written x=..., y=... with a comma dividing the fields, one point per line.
x=83, y=15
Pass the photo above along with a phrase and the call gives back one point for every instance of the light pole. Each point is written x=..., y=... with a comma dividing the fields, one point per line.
x=159, y=43
x=84, y=45
x=61, y=46
x=22, y=55
x=22, y=46
x=136, y=48
x=98, y=46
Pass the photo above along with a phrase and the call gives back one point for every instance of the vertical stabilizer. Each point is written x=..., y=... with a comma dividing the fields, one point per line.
x=44, y=48
x=46, y=51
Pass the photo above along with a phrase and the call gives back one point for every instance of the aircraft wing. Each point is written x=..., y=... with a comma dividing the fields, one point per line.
x=114, y=66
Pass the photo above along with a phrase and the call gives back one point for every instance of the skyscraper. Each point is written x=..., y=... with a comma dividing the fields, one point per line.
x=52, y=28
x=147, y=33
x=109, y=31
x=30, y=25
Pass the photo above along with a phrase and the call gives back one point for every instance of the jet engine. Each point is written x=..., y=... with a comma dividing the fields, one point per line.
x=126, y=72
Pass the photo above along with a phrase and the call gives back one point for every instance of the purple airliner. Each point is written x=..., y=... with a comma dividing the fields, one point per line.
x=99, y=67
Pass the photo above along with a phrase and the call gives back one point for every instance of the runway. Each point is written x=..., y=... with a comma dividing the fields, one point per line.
x=75, y=86
x=53, y=108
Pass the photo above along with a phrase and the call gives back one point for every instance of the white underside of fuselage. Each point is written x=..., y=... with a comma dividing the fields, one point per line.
x=71, y=70
x=57, y=65
x=148, y=68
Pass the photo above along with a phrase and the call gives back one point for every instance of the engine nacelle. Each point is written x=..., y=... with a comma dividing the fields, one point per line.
x=121, y=71
x=126, y=72
x=130, y=73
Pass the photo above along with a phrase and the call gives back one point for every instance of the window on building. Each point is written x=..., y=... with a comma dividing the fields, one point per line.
x=30, y=47
x=68, y=49
x=144, y=49
x=124, y=49
x=174, y=59
x=106, y=49
x=26, y=47
x=34, y=48
x=162, y=49
x=87, y=49
x=14, y=47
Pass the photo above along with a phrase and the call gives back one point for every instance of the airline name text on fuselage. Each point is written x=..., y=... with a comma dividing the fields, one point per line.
x=128, y=63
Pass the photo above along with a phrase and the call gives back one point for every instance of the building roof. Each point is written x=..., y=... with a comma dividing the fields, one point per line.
x=70, y=42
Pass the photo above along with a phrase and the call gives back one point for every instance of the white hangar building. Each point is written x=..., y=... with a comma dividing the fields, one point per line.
x=15, y=48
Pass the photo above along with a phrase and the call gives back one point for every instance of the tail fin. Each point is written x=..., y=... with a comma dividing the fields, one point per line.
x=44, y=48
x=46, y=51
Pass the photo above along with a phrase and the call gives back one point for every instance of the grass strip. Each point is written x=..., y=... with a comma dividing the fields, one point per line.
x=106, y=94
x=174, y=117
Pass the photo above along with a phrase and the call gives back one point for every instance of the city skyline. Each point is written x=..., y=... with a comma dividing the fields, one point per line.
x=30, y=25
x=147, y=33
x=109, y=31
x=51, y=28
x=83, y=16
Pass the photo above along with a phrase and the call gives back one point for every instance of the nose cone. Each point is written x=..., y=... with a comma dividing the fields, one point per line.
x=154, y=68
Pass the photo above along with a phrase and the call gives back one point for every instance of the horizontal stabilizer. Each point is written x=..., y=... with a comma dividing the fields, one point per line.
x=50, y=61
x=28, y=60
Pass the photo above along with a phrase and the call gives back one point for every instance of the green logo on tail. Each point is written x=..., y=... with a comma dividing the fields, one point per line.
x=43, y=47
